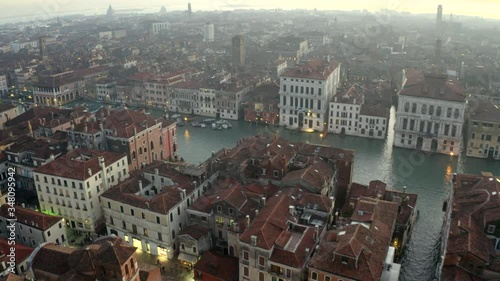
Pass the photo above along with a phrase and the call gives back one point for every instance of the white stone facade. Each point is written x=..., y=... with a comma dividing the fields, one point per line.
x=78, y=200
x=430, y=125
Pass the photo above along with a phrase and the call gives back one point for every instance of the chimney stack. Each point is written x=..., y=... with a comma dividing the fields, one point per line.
x=263, y=201
x=248, y=220
x=90, y=172
x=316, y=233
x=140, y=187
x=291, y=210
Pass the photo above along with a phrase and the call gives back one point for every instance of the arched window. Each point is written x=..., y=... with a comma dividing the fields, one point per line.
x=423, y=109
x=133, y=154
x=152, y=146
x=140, y=150
x=456, y=113
x=438, y=111
x=261, y=276
x=407, y=106
x=414, y=108
x=362, y=131
x=448, y=112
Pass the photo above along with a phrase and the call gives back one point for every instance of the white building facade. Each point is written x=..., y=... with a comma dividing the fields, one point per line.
x=70, y=186
x=305, y=94
x=33, y=228
x=430, y=116
x=208, y=32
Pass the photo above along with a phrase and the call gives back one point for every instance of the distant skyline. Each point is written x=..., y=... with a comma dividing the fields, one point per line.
x=32, y=9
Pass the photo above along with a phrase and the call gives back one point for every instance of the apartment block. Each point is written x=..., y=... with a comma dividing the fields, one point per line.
x=71, y=185
x=33, y=228
x=306, y=91
x=148, y=210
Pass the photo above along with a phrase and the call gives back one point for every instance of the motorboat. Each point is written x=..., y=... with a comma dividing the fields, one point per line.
x=203, y=125
x=224, y=126
x=214, y=126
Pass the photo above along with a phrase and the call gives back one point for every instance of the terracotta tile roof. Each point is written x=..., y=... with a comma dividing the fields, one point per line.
x=316, y=69
x=80, y=264
x=269, y=224
x=30, y=218
x=194, y=231
x=58, y=257
x=167, y=198
x=327, y=151
x=53, y=116
x=312, y=177
x=436, y=87
x=351, y=95
x=376, y=110
x=476, y=204
x=22, y=252
x=124, y=121
x=218, y=267
x=73, y=166
x=367, y=244
x=485, y=111
x=297, y=250
x=38, y=148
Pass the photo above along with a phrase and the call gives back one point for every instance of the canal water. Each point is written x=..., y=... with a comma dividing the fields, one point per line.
x=425, y=174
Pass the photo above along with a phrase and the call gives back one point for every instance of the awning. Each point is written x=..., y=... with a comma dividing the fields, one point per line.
x=188, y=258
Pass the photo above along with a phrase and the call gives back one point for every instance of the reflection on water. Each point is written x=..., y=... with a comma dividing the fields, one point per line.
x=187, y=137
x=425, y=174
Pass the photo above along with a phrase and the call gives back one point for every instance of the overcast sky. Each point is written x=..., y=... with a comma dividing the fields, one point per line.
x=29, y=9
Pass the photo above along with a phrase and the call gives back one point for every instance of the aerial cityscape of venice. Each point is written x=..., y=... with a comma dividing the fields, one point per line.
x=231, y=140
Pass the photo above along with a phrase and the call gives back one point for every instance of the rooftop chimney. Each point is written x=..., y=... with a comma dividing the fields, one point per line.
x=90, y=172
x=291, y=210
x=263, y=201
x=140, y=187
x=316, y=233
x=248, y=220
x=253, y=240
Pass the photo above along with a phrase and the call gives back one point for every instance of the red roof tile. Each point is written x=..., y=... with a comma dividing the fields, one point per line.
x=77, y=163
x=30, y=218
x=222, y=268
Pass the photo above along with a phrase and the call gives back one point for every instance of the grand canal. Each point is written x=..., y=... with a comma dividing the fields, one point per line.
x=425, y=174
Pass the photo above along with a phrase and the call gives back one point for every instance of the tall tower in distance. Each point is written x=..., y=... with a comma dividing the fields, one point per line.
x=110, y=11
x=238, y=50
x=439, y=18
x=42, y=45
x=189, y=10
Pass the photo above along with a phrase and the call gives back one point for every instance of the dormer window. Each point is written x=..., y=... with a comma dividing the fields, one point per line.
x=275, y=173
x=263, y=171
x=491, y=229
x=345, y=260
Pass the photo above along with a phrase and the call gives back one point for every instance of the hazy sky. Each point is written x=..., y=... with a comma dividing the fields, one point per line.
x=29, y=9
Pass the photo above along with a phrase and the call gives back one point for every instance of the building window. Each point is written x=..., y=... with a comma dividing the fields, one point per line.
x=407, y=107
x=314, y=275
x=261, y=276
x=245, y=255
x=245, y=271
x=275, y=173
x=262, y=261
x=491, y=228
x=423, y=109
